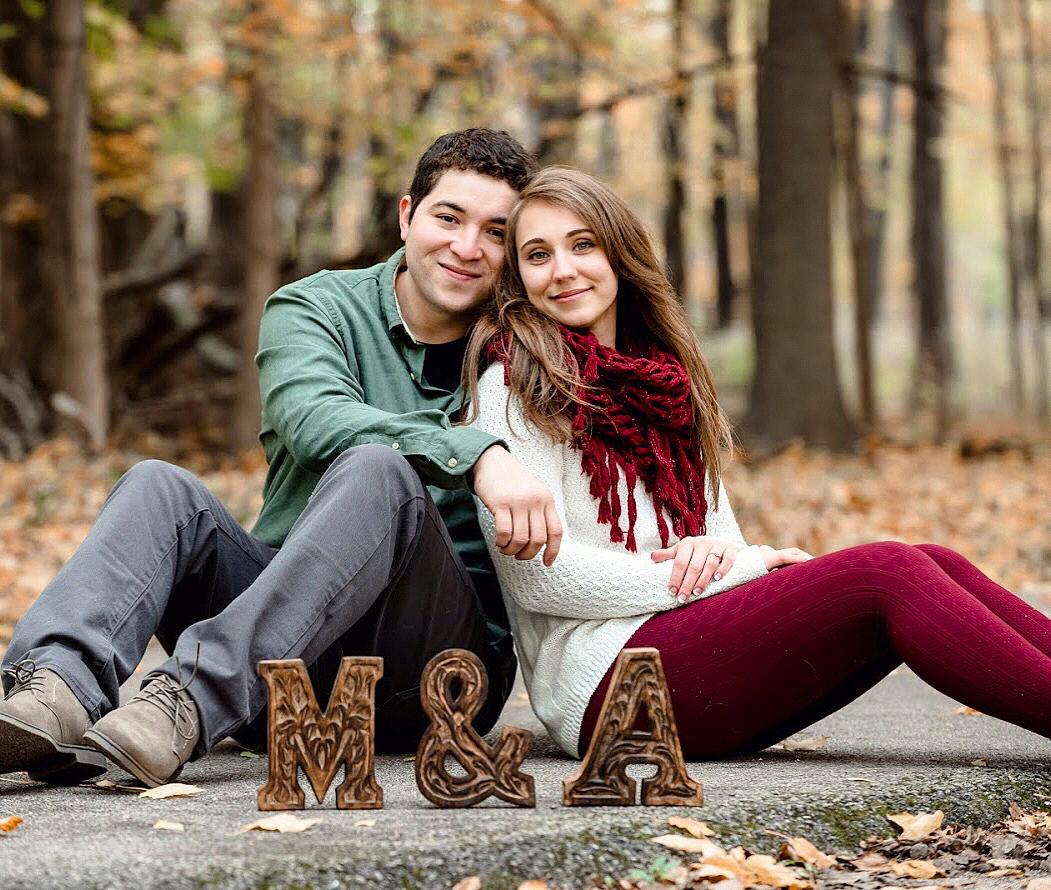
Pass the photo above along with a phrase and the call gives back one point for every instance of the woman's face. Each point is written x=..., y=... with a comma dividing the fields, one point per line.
x=566, y=274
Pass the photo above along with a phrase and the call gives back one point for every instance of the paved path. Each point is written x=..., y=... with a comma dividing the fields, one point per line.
x=878, y=760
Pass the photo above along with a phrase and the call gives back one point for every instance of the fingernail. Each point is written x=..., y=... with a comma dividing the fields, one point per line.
x=718, y=577
x=697, y=592
x=681, y=597
x=673, y=590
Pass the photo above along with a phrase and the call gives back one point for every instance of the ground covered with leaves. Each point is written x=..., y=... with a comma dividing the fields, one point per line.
x=986, y=500
x=926, y=854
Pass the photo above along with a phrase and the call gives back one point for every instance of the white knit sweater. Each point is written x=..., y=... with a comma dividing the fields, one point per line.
x=571, y=620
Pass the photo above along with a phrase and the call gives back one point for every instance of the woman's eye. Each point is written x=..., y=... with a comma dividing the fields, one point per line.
x=583, y=245
x=537, y=256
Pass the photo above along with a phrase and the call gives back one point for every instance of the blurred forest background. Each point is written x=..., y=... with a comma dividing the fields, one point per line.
x=850, y=195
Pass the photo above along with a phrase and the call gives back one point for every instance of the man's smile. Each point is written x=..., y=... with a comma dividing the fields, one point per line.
x=458, y=274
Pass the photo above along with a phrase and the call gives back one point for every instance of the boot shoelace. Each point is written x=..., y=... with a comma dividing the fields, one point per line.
x=166, y=694
x=28, y=678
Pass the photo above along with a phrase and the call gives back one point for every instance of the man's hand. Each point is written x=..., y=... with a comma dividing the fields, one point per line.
x=523, y=507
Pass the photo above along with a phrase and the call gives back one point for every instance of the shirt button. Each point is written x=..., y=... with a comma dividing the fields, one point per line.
x=452, y=461
x=395, y=445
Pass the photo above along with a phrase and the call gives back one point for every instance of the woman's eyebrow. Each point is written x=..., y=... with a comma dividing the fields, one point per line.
x=569, y=234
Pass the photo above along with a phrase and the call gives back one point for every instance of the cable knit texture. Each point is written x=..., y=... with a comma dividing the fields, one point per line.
x=571, y=620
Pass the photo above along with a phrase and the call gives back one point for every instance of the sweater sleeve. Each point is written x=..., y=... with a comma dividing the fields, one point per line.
x=586, y=582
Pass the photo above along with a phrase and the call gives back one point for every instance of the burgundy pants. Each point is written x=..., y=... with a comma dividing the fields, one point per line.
x=751, y=666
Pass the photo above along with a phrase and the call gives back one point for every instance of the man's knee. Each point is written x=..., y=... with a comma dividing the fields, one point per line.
x=158, y=479
x=374, y=465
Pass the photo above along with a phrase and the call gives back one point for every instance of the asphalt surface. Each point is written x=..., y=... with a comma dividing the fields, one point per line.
x=902, y=746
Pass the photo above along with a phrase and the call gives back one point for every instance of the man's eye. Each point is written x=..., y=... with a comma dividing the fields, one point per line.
x=498, y=234
x=447, y=218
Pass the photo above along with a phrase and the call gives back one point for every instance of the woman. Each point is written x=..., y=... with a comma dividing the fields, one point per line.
x=598, y=386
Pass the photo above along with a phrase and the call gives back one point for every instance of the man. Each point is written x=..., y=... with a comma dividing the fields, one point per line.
x=367, y=543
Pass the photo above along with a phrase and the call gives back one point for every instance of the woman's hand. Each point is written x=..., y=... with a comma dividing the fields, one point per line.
x=774, y=559
x=697, y=561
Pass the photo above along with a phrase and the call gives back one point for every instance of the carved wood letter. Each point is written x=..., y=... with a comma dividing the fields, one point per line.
x=487, y=770
x=602, y=779
x=300, y=735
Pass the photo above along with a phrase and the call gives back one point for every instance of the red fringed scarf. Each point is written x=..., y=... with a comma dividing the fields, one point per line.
x=638, y=421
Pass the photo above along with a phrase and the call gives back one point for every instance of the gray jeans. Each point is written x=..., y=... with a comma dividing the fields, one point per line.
x=367, y=569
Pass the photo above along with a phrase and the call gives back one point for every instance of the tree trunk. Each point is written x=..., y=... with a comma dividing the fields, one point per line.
x=857, y=218
x=558, y=76
x=675, y=122
x=725, y=147
x=51, y=278
x=926, y=23
x=795, y=391
x=1037, y=109
x=1012, y=242
x=875, y=212
x=261, y=251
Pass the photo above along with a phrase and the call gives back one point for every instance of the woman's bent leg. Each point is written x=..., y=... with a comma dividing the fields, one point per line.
x=751, y=666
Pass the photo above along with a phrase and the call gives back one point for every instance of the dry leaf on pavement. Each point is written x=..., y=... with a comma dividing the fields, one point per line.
x=172, y=789
x=472, y=883
x=871, y=861
x=915, y=828
x=687, y=844
x=533, y=885
x=964, y=711
x=161, y=825
x=1037, y=824
x=799, y=848
x=364, y=823
x=694, y=826
x=283, y=822
x=916, y=868
x=10, y=823
x=811, y=744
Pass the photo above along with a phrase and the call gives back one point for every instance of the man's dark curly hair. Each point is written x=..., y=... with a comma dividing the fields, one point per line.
x=493, y=153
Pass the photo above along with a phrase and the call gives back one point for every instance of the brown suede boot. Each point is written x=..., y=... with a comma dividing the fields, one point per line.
x=153, y=735
x=42, y=726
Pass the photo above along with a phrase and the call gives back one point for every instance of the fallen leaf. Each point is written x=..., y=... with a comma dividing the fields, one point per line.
x=871, y=861
x=1004, y=863
x=472, y=883
x=916, y=868
x=693, y=826
x=687, y=844
x=173, y=789
x=533, y=885
x=364, y=823
x=915, y=828
x=1004, y=873
x=249, y=755
x=283, y=822
x=979, y=763
x=860, y=779
x=811, y=744
x=107, y=785
x=801, y=849
x=10, y=823
x=964, y=711
x=161, y=825
x=1036, y=824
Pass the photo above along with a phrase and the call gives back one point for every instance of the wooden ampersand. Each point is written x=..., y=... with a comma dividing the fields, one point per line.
x=487, y=770
x=301, y=735
x=602, y=780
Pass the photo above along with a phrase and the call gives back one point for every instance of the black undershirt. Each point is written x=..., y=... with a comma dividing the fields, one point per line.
x=443, y=363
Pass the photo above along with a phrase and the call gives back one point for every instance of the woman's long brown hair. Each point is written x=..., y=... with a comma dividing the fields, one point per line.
x=543, y=374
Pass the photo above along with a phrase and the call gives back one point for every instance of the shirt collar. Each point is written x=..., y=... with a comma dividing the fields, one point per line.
x=389, y=297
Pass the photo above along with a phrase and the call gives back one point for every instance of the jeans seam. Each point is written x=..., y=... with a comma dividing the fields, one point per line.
x=119, y=622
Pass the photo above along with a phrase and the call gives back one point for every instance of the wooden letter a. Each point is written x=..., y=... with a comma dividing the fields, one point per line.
x=300, y=735
x=602, y=780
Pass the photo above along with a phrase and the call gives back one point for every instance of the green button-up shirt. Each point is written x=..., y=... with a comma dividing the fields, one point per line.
x=338, y=368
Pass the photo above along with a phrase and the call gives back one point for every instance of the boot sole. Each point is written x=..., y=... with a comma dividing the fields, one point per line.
x=124, y=760
x=26, y=747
